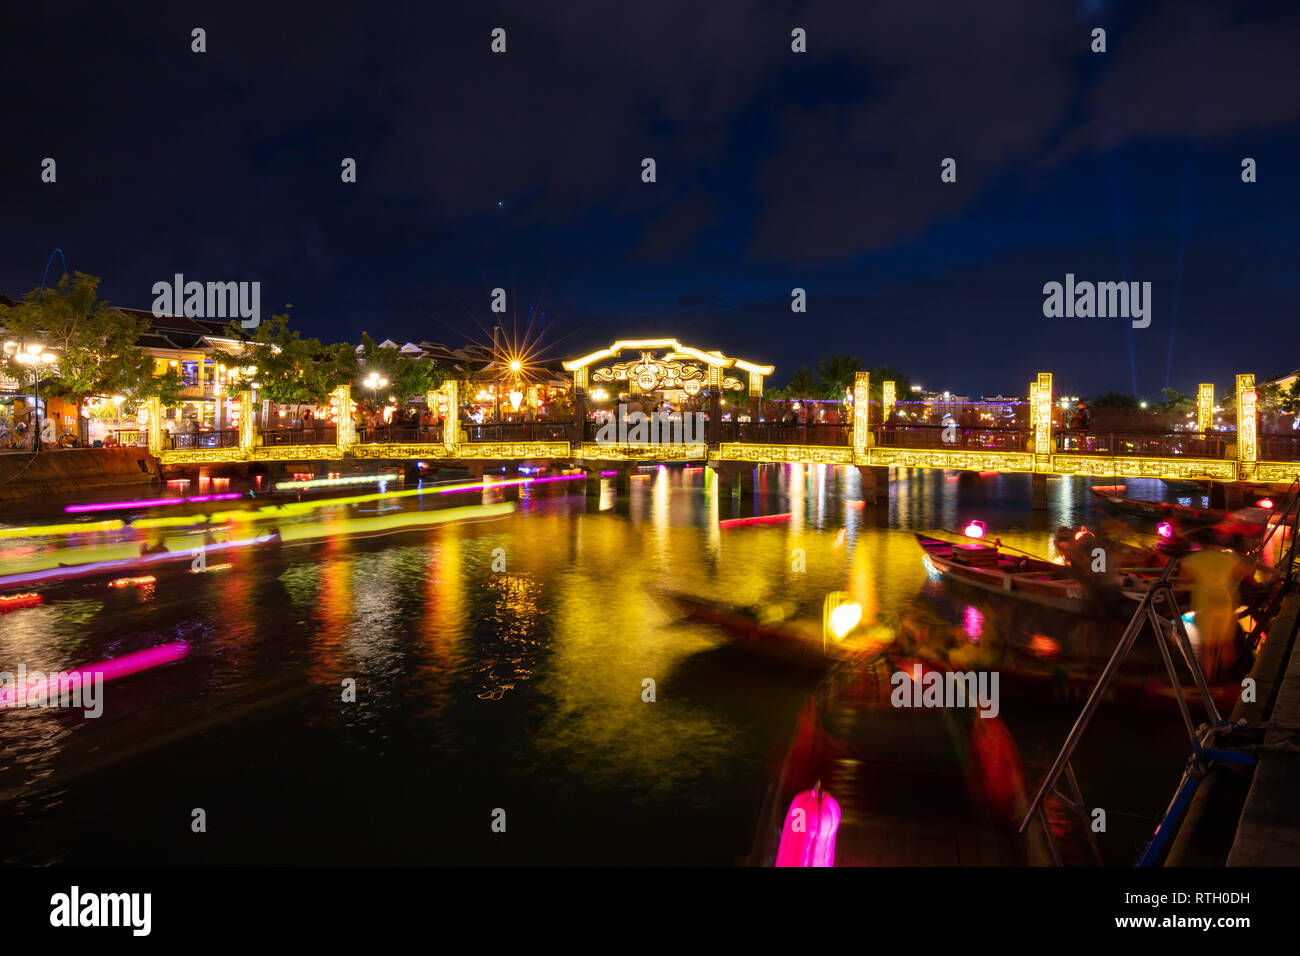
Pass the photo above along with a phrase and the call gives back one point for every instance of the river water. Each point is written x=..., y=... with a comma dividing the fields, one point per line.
x=500, y=663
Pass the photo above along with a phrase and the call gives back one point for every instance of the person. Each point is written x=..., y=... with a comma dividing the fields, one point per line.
x=1216, y=577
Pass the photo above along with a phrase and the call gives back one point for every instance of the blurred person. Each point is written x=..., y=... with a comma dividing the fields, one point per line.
x=1216, y=577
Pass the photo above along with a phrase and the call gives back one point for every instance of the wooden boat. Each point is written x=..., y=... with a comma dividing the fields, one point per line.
x=1159, y=509
x=768, y=631
x=1021, y=577
x=1026, y=677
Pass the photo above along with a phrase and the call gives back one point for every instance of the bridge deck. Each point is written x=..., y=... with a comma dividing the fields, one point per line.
x=948, y=458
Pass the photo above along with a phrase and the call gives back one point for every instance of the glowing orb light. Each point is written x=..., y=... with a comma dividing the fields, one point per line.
x=975, y=529
x=1165, y=530
x=1266, y=503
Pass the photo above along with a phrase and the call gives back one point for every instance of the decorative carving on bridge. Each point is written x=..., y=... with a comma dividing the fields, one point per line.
x=958, y=460
x=296, y=453
x=793, y=454
x=521, y=449
x=1132, y=466
x=1277, y=472
x=424, y=450
x=595, y=451
x=649, y=373
x=200, y=456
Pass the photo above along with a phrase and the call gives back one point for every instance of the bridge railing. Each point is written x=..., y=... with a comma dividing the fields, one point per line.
x=1275, y=447
x=787, y=433
x=519, y=431
x=398, y=434
x=979, y=438
x=298, y=435
x=1155, y=444
x=208, y=438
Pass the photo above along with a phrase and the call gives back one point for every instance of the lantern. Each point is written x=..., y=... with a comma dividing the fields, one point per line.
x=808, y=836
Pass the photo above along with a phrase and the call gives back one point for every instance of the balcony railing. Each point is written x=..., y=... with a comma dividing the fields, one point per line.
x=1155, y=444
x=127, y=436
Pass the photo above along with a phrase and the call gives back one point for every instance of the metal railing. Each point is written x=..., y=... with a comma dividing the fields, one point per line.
x=787, y=433
x=1155, y=444
x=398, y=434
x=948, y=437
x=518, y=431
x=210, y=438
x=1275, y=447
x=301, y=435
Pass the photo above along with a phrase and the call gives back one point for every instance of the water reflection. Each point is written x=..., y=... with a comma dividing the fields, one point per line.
x=532, y=678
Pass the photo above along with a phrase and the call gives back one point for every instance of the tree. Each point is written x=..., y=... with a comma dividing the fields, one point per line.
x=836, y=373
x=884, y=373
x=96, y=345
x=802, y=384
x=287, y=369
x=407, y=376
x=1176, y=402
x=1114, y=400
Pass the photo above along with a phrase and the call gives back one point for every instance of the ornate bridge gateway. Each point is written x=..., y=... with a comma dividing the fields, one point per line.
x=655, y=373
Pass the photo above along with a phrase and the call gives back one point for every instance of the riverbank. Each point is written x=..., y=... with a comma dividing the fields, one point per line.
x=70, y=471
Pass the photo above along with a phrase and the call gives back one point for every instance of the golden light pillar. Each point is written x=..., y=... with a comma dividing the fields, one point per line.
x=451, y=431
x=579, y=406
x=755, y=396
x=1247, y=427
x=247, y=434
x=346, y=434
x=888, y=399
x=1205, y=407
x=715, y=404
x=1033, y=403
x=154, y=405
x=861, y=404
x=1042, y=398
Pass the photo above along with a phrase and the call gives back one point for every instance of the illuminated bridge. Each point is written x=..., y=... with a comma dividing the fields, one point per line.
x=871, y=438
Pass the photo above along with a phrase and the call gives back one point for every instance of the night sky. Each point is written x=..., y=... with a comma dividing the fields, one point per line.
x=775, y=170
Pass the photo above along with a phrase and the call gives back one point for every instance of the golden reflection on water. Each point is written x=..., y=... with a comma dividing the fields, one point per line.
x=577, y=621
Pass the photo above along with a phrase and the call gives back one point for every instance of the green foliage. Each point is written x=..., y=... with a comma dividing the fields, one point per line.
x=407, y=377
x=95, y=343
x=884, y=373
x=1176, y=403
x=1114, y=400
x=802, y=384
x=290, y=370
x=835, y=375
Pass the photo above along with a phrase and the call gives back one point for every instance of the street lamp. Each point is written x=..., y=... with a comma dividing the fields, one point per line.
x=374, y=382
x=35, y=355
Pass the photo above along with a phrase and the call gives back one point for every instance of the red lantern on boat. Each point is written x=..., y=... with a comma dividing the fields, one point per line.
x=1165, y=530
x=975, y=529
x=808, y=836
x=1265, y=503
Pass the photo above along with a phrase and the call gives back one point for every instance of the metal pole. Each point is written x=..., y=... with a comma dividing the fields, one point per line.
x=36, y=384
x=1094, y=699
